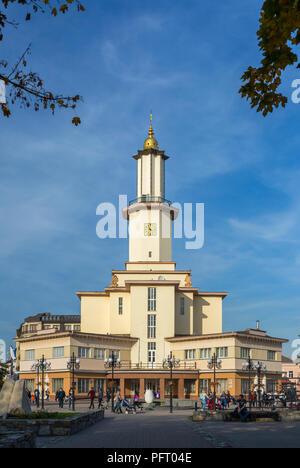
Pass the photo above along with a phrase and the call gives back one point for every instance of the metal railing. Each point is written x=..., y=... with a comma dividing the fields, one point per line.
x=156, y=365
x=150, y=199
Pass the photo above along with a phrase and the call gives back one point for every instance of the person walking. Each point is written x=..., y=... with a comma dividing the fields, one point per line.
x=37, y=397
x=70, y=397
x=100, y=398
x=92, y=395
x=118, y=408
x=60, y=396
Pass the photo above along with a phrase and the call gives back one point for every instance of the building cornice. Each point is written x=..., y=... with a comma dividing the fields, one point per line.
x=148, y=151
x=180, y=339
x=76, y=335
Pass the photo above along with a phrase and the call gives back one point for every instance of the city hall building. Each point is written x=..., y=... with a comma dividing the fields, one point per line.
x=149, y=310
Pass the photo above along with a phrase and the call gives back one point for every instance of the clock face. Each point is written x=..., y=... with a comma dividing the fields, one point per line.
x=150, y=230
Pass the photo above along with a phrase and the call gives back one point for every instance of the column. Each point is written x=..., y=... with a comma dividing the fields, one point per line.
x=122, y=386
x=162, y=387
x=181, y=389
x=142, y=388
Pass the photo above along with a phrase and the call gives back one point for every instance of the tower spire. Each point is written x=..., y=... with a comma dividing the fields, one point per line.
x=151, y=142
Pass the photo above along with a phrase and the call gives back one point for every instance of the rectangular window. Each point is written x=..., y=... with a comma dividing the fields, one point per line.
x=245, y=386
x=84, y=353
x=116, y=353
x=245, y=354
x=120, y=305
x=33, y=328
x=182, y=306
x=57, y=384
x=68, y=327
x=83, y=386
x=271, y=386
x=291, y=375
x=205, y=353
x=205, y=385
x=151, y=354
x=271, y=356
x=222, y=353
x=76, y=328
x=30, y=355
x=99, y=385
x=151, y=299
x=151, y=326
x=190, y=354
x=99, y=353
x=59, y=352
x=221, y=385
x=30, y=384
x=189, y=387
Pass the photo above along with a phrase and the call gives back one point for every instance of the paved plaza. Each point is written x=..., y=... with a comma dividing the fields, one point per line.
x=160, y=429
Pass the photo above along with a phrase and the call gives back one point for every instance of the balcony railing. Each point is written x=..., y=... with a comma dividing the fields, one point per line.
x=128, y=365
x=149, y=199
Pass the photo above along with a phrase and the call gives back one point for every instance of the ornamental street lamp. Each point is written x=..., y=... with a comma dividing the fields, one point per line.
x=249, y=366
x=170, y=363
x=214, y=363
x=41, y=366
x=73, y=364
x=259, y=367
x=112, y=363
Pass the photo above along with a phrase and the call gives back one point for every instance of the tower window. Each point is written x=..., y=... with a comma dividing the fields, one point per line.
x=151, y=299
x=150, y=254
x=182, y=306
x=120, y=305
x=151, y=326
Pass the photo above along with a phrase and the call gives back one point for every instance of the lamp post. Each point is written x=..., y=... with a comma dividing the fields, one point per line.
x=73, y=364
x=170, y=363
x=259, y=367
x=214, y=363
x=42, y=366
x=112, y=363
x=249, y=367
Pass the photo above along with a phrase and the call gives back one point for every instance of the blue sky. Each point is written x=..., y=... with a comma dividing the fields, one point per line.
x=184, y=60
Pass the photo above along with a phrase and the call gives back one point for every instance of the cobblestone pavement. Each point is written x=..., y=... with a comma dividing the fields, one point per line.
x=160, y=429
x=148, y=430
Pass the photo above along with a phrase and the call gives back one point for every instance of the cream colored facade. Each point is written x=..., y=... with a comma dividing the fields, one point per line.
x=150, y=309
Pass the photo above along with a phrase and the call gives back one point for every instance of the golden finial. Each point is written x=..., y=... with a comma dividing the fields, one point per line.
x=151, y=142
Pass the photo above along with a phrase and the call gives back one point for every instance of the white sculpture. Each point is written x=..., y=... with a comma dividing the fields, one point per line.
x=149, y=397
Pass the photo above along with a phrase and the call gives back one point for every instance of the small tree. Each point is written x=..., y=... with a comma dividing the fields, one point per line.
x=26, y=87
x=278, y=37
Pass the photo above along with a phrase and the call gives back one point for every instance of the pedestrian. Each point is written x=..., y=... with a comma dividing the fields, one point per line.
x=118, y=408
x=37, y=397
x=100, y=398
x=28, y=392
x=47, y=395
x=228, y=399
x=158, y=395
x=223, y=401
x=203, y=398
x=241, y=408
x=70, y=397
x=92, y=395
x=60, y=396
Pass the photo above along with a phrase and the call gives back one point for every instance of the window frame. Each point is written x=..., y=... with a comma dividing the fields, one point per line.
x=83, y=355
x=55, y=349
x=152, y=297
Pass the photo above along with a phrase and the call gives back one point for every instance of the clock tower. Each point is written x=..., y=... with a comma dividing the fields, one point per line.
x=150, y=215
